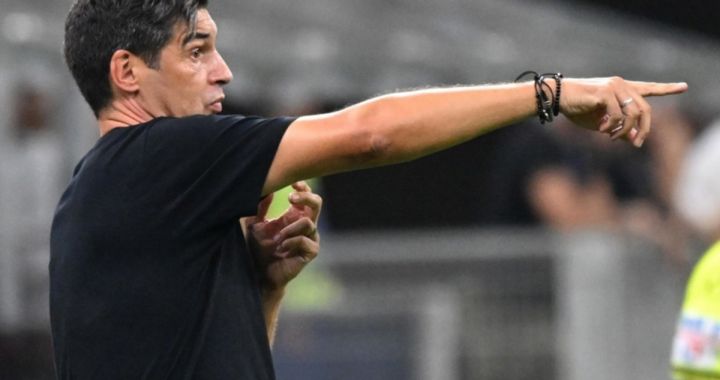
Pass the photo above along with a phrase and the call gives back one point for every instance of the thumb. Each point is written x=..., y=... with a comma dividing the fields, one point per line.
x=263, y=207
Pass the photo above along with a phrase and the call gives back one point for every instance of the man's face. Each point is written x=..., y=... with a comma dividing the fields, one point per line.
x=190, y=75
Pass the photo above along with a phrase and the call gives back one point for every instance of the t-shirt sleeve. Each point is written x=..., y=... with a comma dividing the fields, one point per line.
x=210, y=170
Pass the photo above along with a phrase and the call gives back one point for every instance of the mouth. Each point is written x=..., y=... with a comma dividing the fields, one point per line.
x=216, y=106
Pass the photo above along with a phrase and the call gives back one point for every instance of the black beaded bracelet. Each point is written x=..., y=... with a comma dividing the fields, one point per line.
x=547, y=106
x=558, y=87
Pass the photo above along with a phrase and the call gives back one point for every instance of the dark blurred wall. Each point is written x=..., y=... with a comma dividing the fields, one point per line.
x=694, y=15
x=481, y=182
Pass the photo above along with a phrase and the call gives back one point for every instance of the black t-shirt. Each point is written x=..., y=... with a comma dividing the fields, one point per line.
x=150, y=277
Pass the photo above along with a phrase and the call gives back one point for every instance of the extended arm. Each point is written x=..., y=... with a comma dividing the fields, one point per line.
x=404, y=126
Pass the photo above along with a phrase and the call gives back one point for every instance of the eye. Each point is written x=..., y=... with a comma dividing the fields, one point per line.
x=196, y=53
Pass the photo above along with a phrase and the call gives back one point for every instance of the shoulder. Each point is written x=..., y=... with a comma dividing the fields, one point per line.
x=217, y=133
x=213, y=124
x=191, y=129
x=198, y=123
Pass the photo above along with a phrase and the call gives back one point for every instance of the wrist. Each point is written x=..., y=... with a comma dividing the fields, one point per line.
x=272, y=293
x=548, y=92
x=551, y=92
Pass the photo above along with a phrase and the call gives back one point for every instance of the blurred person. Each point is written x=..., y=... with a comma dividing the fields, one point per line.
x=31, y=165
x=696, y=347
x=697, y=193
x=150, y=273
x=576, y=184
x=675, y=130
x=31, y=182
x=591, y=183
x=573, y=191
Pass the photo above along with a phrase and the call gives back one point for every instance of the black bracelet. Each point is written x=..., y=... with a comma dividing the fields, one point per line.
x=547, y=106
x=558, y=87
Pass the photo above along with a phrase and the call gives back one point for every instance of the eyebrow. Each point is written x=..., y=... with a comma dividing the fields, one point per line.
x=195, y=36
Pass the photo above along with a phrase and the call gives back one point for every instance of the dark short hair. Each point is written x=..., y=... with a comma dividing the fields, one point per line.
x=96, y=29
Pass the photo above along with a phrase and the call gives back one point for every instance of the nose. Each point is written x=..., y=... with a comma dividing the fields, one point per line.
x=220, y=74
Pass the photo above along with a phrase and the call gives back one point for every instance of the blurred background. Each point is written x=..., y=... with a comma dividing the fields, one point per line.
x=532, y=252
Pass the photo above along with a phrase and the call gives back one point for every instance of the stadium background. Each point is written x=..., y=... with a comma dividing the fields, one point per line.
x=436, y=269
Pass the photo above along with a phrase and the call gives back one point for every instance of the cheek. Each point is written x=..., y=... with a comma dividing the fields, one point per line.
x=191, y=99
x=187, y=92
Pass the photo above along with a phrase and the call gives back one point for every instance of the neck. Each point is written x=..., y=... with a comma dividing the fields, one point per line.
x=123, y=113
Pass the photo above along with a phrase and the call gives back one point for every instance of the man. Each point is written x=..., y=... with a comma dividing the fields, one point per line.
x=150, y=277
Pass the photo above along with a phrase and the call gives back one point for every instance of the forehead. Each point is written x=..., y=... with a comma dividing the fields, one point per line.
x=205, y=22
x=204, y=26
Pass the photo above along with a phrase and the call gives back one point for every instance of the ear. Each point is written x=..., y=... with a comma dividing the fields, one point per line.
x=124, y=67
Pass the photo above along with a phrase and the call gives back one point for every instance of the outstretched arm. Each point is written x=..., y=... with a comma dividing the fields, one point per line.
x=404, y=126
x=282, y=247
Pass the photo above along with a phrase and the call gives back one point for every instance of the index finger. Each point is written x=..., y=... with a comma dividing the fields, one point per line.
x=309, y=200
x=658, y=89
x=263, y=207
x=301, y=186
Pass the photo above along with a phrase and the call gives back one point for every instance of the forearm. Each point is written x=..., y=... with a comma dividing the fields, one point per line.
x=410, y=125
x=271, y=300
x=395, y=128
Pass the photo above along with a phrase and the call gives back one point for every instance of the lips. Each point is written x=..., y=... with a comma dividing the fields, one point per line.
x=216, y=106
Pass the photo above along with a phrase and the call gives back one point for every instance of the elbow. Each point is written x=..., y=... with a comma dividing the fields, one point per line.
x=376, y=149
x=371, y=136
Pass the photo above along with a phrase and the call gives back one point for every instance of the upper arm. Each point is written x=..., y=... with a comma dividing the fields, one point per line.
x=209, y=169
x=318, y=145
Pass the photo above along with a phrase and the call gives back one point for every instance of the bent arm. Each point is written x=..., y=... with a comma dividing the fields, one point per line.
x=282, y=247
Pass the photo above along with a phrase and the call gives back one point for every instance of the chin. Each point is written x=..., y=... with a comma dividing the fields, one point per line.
x=203, y=111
